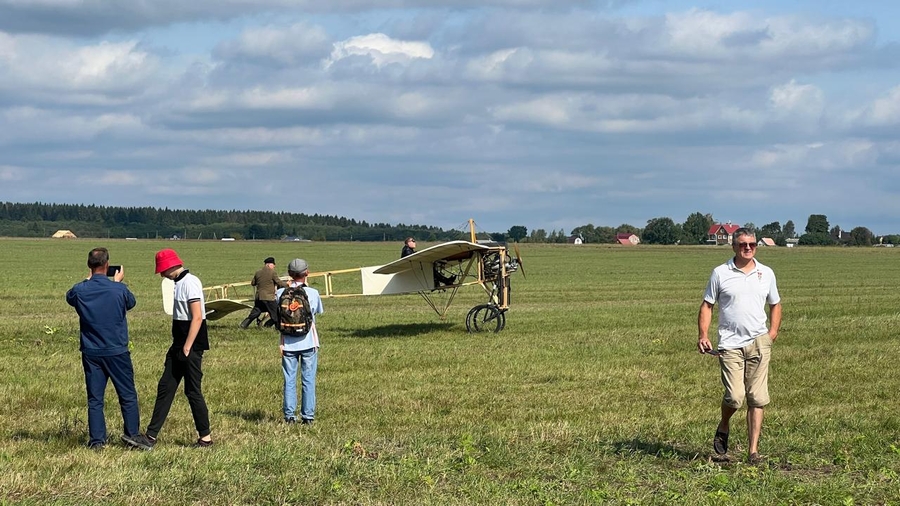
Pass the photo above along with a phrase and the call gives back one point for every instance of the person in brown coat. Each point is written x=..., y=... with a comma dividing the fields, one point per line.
x=266, y=281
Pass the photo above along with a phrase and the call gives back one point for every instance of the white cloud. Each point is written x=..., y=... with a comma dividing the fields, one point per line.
x=816, y=158
x=115, y=178
x=28, y=125
x=884, y=111
x=59, y=71
x=382, y=49
x=290, y=46
x=793, y=98
x=705, y=34
x=643, y=114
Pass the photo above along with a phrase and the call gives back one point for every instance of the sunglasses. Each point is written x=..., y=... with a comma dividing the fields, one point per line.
x=751, y=245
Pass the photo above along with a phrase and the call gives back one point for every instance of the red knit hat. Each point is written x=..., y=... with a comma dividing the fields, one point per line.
x=166, y=259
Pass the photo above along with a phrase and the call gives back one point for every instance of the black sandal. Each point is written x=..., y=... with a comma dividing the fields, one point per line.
x=720, y=443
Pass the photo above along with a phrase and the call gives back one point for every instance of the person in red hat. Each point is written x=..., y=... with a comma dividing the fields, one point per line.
x=184, y=359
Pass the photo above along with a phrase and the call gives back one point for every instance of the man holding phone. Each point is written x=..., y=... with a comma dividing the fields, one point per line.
x=102, y=305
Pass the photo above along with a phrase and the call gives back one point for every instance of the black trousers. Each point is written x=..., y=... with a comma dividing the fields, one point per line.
x=178, y=367
x=261, y=306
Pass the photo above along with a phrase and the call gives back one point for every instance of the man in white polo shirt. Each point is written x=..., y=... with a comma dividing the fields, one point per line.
x=742, y=287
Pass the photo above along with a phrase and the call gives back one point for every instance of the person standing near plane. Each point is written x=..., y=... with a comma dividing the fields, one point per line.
x=742, y=287
x=184, y=359
x=301, y=352
x=266, y=281
x=102, y=305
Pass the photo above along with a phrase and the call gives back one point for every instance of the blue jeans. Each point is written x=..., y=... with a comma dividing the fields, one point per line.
x=308, y=361
x=97, y=373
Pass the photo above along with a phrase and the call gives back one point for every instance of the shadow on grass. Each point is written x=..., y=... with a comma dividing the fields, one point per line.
x=655, y=449
x=404, y=330
x=68, y=432
x=66, y=438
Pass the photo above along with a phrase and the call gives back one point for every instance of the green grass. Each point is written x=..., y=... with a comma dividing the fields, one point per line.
x=593, y=394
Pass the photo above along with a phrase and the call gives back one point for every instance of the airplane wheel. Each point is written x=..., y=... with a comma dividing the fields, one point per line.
x=485, y=318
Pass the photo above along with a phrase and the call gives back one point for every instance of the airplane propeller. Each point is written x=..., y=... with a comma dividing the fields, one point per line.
x=519, y=259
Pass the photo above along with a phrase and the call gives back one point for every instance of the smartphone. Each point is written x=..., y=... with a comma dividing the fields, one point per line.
x=112, y=270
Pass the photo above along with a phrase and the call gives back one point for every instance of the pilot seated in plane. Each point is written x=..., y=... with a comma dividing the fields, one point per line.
x=409, y=247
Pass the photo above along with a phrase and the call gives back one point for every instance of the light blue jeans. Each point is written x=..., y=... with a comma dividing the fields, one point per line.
x=308, y=361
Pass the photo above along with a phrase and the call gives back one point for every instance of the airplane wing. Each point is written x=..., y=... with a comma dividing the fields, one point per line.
x=453, y=250
x=216, y=309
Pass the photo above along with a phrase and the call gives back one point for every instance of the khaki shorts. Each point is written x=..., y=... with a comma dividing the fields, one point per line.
x=745, y=373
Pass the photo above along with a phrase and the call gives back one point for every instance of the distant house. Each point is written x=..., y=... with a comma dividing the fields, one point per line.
x=766, y=241
x=720, y=233
x=790, y=243
x=838, y=235
x=626, y=239
x=576, y=239
x=64, y=234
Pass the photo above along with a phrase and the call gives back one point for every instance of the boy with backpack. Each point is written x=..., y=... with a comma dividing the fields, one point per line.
x=297, y=306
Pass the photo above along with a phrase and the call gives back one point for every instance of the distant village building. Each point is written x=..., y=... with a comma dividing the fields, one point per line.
x=626, y=239
x=790, y=243
x=720, y=233
x=839, y=236
x=64, y=234
x=766, y=241
x=576, y=239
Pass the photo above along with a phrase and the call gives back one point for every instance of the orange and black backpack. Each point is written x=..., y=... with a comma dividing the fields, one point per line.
x=294, y=316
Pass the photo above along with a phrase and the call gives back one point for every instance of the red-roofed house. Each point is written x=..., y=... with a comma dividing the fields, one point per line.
x=626, y=239
x=766, y=241
x=720, y=233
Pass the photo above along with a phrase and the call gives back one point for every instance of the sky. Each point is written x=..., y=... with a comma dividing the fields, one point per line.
x=549, y=114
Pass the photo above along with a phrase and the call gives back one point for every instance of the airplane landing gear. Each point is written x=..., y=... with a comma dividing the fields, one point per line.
x=485, y=318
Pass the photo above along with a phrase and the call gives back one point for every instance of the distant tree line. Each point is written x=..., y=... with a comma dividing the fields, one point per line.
x=42, y=220
x=695, y=230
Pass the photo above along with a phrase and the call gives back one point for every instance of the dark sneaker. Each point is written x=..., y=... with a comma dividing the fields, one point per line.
x=755, y=459
x=203, y=443
x=720, y=443
x=306, y=421
x=139, y=441
x=290, y=420
x=97, y=447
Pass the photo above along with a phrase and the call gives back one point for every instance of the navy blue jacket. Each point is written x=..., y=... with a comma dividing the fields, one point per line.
x=101, y=305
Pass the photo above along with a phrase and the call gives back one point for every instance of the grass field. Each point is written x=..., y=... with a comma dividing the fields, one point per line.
x=593, y=394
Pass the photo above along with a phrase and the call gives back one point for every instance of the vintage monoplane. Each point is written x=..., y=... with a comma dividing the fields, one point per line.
x=468, y=263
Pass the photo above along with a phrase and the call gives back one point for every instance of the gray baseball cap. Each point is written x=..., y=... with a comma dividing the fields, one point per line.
x=298, y=265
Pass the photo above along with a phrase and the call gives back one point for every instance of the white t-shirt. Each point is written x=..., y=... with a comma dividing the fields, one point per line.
x=742, y=299
x=187, y=289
